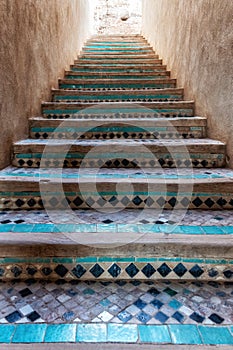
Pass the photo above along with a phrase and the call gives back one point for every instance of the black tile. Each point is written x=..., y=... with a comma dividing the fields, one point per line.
x=108, y=221
x=2, y=271
x=19, y=203
x=164, y=270
x=47, y=271
x=137, y=200
x=196, y=271
x=16, y=270
x=216, y=318
x=178, y=316
x=148, y=270
x=31, y=270
x=121, y=283
x=78, y=271
x=180, y=270
x=196, y=317
x=153, y=291
x=114, y=270
x=78, y=201
x=132, y=270
x=13, y=317
x=212, y=273
x=25, y=292
x=6, y=222
x=209, y=202
x=96, y=270
x=61, y=270
x=228, y=273
x=170, y=291
x=33, y=316
x=197, y=202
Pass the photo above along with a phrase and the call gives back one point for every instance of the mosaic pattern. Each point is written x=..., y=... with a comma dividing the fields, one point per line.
x=115, y=268
x=135, y=302
x=178, y=132
x=219, y=222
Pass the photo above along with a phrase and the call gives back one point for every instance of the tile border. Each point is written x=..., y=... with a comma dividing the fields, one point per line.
x=115, y=333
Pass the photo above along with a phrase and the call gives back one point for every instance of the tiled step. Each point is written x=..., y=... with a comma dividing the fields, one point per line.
x=104, y=190
x=117, y=68
x=117, y=95
x=117, y=83
x=126, y=109
x=192, y=127
x=116, y=50
x=119, y=153
x=117, y=75
x=116, y=56
x=124, y=62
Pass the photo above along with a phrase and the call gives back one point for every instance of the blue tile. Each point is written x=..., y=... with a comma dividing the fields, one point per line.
x=91, y=333
x=143, y=317
x=215, y=335
x=178, y=316
x=140, y=304
x=6, y=333
x=29, y=333
x=122, y=333
x=60, y=333
x=157, y=303
x=124, y=316
x=185, y=334
x=160, y=316
x=154, y=334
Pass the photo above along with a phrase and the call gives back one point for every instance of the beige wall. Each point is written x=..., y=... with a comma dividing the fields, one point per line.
x=39, y=38
x=195, y=39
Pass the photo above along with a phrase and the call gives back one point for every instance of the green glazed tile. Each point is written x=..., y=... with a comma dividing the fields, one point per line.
x=118, y=333
x=60, y=333
x=29, y=333
x=86, y=259
x=23, y=228
x=6, y=333
x=7, y=228
x=91, y=333
x=215, y=335
x=43, y=228
x=213, y=230
x=154, y=334
x=185, y=334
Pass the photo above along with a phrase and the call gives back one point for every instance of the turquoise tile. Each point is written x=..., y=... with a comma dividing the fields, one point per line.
x=29, y=333
x=175, y=304
x=6, y=333
x=86, y=259
x=185, y=334
x=213, y=230
x=91, y=333
x=146, y=260
x=118, y=333
x=227, y=229
x=105, y=302
x=215, y=335
x=149, y=228
x=23, y=228
x=192, y=230
x=7, y=228
x=43, y=228
x=131, y=228
x=154, y=334
x=60, y=333
x=63, y=260
x=106, y=228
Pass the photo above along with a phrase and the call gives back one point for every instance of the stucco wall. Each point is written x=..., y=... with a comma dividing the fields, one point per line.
x=195, y=39
x=39, y=38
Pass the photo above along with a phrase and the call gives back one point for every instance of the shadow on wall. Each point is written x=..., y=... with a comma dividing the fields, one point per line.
x=118, y=16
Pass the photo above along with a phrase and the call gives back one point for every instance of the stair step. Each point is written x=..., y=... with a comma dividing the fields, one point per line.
x=105, y=189
x=117, y=95
x=157, y=109
x=116, y=83
x=117, y=69
x=125, y=63
x=120, y=56
x=115, y=75
x=192, y=127
x=115, y=50
x=124, y=153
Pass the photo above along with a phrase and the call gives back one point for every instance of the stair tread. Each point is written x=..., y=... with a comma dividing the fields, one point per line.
x=124, y=104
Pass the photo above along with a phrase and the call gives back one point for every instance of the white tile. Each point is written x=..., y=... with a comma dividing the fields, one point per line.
x=26, y=310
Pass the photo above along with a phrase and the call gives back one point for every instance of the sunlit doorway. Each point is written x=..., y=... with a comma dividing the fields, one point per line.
x=118, y=17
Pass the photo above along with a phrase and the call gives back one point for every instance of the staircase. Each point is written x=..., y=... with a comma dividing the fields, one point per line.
x=121, y=146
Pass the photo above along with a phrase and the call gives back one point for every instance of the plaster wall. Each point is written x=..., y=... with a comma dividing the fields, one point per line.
x=195, y=39
x=38, y=39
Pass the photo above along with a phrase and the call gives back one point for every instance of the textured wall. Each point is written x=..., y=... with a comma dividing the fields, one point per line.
x=195, y=38
x=39, y=38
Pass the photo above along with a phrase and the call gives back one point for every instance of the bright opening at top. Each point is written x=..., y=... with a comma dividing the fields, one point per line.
x=118, y=16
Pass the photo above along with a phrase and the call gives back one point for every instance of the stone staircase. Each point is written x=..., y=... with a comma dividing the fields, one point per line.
x=118, y=138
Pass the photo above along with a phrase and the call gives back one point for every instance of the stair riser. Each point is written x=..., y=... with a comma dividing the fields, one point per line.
x=116, y=50
x=116, y=76
x=117, y=132
x=135, y=84
x=113, y=201
x=120, y=62
x=113, y=58
x=116, y=98
x=98, y=69
x=127, y=159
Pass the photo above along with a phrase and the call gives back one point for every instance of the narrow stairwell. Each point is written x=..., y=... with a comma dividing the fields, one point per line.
x=119, y=182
